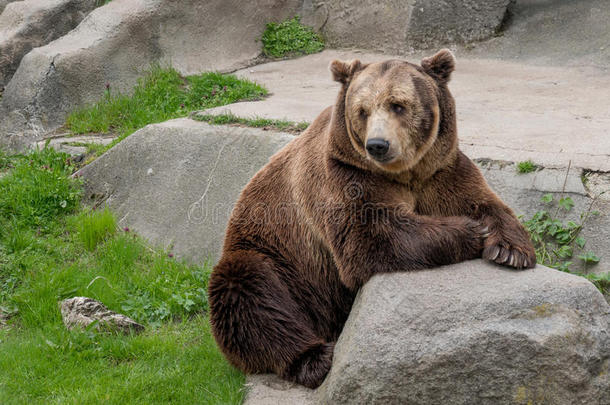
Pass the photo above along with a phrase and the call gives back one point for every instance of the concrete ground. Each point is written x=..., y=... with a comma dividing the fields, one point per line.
x=506, y=110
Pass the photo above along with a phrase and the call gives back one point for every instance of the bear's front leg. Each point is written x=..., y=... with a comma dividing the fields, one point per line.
x=363, y=246
x=464, y=191
x=508, y=243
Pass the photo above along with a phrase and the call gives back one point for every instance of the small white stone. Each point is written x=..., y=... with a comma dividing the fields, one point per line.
x=150, y=172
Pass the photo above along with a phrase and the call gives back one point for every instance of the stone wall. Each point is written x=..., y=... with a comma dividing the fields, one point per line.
x=398, y=26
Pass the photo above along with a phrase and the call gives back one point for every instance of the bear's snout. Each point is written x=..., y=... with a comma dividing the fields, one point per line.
x=377, y=148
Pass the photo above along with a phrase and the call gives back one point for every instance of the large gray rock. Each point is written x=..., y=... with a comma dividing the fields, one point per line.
x=32, y=23
x=473, y=333
x=176, y=183
x=399, y=26
x=115, y=43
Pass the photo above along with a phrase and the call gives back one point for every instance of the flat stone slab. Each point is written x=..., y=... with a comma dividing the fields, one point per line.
x=268, y=389
x=506, y=110
x=72, y=144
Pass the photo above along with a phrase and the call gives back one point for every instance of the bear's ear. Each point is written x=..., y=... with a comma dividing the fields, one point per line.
x=440, y=65
x=344, y=71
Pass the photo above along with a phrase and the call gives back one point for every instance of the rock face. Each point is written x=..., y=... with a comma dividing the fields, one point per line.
x=82, y=311
x=554, y=32
x=473, y=333
x=398, y=26
x=32, y=23
x=175, y=183
x=3, y=4
x=455, y=21
x=116, y=42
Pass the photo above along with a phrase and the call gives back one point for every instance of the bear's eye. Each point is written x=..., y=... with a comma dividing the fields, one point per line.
x=363, y=113
x=397, y=108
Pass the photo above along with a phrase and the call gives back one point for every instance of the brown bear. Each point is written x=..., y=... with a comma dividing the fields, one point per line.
x=375, y=184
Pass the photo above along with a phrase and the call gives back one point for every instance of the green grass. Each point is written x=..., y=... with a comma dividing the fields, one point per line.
x=93, y=227
x=5, y=160
x=160, y=95
x=36, y=190
x=290, y=38
x=527, y=166
x=51, y=248
x=176, y=363
x=230, y=119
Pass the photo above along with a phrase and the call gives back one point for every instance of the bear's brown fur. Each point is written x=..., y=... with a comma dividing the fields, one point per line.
x=324, y=215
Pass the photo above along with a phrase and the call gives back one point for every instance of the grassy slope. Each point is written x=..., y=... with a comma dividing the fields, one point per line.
x=160, y=95
x=52, y=248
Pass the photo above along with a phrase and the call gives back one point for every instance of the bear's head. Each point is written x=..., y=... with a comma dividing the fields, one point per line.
x=399, y=115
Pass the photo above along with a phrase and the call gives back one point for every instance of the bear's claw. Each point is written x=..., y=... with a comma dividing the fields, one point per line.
x=509, y=256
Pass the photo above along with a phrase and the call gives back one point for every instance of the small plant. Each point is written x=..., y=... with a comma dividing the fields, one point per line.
x=589, y=258
x=555, y=241
x=230, y=119
x=290, y=38
x=94, y=227
x=527, y=166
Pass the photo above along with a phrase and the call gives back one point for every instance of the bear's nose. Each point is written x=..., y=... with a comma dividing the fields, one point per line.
x=377, y=147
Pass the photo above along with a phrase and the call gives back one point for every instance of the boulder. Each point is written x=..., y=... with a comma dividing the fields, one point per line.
x=116, y=42
x=32, y=23
x=175, y=183
x=471, y=333
x=80, y=312
x=398, y=26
